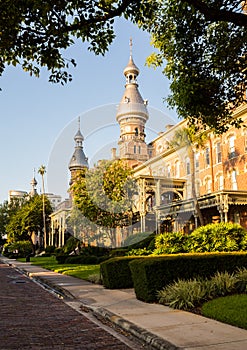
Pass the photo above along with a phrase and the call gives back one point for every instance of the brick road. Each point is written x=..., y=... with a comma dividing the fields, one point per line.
x=33, y=318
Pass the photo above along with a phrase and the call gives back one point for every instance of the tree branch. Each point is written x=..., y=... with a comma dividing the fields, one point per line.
x=214, y=14
x=109, y=14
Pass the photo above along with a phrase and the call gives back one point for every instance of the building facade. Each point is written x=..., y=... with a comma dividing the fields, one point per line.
x=219, y=177
x=179, y=187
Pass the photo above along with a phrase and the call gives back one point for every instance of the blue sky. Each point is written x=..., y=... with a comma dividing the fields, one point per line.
x=39, y=119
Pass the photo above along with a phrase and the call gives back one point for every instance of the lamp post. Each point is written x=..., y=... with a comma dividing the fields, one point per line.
x=42, y=171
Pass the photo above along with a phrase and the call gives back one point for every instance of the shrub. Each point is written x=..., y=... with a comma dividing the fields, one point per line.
x=185, y=295
x=189, y=294
x=222, y=237
x=223, y=283
x=71, y=244
x=118, y=252
x=116, y=273
x=81, y=259
x=150, y=274
x=241, y=280
x=170, y=243
x=61, y=258
x=95, y=250
x=50, y=249
x=20, y=249
x=138, y=252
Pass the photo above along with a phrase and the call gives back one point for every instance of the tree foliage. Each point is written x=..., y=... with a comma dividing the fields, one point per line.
x=35, y=34
x=28, y=219
x=202, y=42
x=204, y=45
x=104, y=195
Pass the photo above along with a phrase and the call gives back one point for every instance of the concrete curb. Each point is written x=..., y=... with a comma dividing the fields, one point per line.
x=138, y=332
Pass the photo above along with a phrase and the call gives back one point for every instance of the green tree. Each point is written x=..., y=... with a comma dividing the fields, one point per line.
x=104, y=195
x=28, y=219
x=203, y=45
x=7, y=210
x=190, y=139
x=202, y=42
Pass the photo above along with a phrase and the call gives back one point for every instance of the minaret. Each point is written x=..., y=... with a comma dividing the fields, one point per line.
x=78, y=160
x=33, y=184
x=132, y=116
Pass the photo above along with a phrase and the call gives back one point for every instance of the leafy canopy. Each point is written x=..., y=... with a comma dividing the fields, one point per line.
x=104, y=196
x=202, y=43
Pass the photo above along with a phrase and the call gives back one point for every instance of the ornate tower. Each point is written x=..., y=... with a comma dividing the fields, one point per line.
x=33, y=184
x=132, y=116
x=78, y=160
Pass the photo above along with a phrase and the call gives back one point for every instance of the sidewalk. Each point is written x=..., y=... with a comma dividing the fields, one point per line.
x=156, y=325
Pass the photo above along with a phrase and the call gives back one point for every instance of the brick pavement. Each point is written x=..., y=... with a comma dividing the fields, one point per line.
x=32, y=318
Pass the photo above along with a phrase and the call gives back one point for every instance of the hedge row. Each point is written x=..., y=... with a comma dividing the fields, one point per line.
x=80, y=259
x=150, y=274
x=116, y=274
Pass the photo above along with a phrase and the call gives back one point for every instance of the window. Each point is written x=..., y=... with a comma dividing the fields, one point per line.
x=197, y=187
x=231, y=145
x=139, y=147
x=207, y=157
x=220, y=181
x=168, y=170
x=197, y=161
x=187, y=163
x=134, y=148
x=207, y=185
x=234, y=179
x=218, y=153
x=177, y=169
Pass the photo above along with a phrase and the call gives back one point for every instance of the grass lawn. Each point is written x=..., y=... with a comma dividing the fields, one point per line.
x=79, y=271
x=230, y=309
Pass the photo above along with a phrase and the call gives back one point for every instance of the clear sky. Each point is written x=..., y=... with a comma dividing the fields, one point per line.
x=39, y=119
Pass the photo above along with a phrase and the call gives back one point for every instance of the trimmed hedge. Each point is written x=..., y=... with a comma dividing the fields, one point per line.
x=116, y=273
x=85, y=259
x=151, y=274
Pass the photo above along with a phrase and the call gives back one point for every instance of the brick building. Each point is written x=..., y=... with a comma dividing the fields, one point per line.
x=220, y=177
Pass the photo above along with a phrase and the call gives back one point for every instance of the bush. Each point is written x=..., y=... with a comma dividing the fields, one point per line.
x=139, y=252
x=170, y=243
x=222, y=237
x=95, y=250
x=190, y=294
x=81, y=259
x=61, y=258
x=116, y=273
x=71, y=244
x=241, y=280
x=50, y=249
x=151, y=274
x=185, y=295
x=118, y=252
x=19, y=249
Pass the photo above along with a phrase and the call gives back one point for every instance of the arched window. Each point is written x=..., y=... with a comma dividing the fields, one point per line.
x=177, y=169
x=234, y=179
x=187, y=164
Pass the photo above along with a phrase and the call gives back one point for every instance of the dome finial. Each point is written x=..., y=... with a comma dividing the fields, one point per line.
x=79, y=123
x=131, y=46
